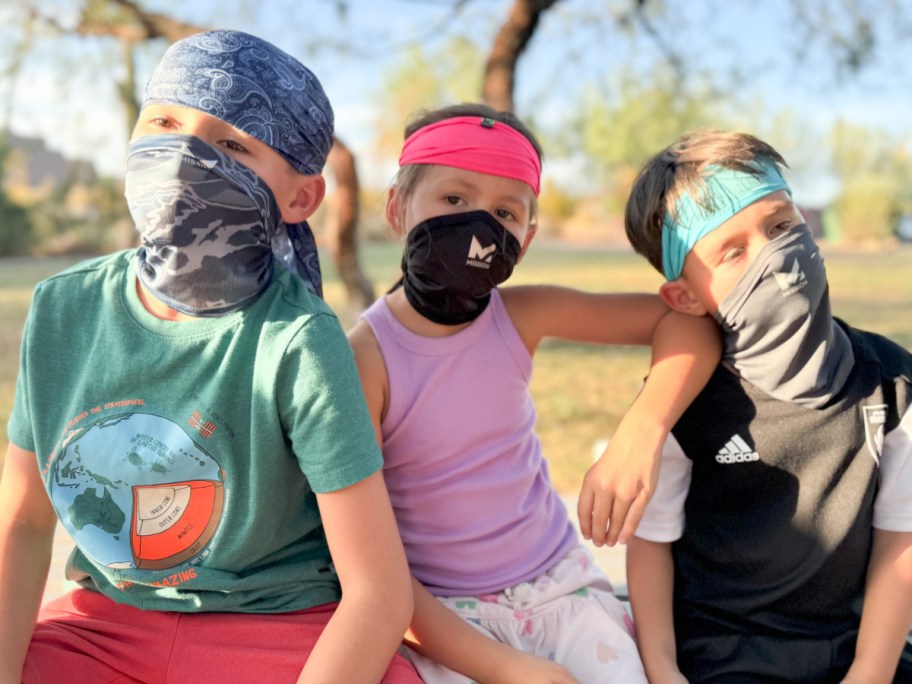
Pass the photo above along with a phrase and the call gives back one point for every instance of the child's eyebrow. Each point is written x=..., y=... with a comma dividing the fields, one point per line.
x=777, y=206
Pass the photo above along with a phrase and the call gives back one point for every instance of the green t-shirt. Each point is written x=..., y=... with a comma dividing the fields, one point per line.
x=183, y=457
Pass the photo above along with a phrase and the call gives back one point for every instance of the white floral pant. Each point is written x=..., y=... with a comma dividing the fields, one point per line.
x=569, y=615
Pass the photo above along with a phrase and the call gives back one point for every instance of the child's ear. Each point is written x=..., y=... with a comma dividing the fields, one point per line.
x=678, y=296
x=394, y=214
x=527, y=242
x=306, y=198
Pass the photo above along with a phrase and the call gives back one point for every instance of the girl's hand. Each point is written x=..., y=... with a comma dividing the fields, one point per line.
x=617, y=488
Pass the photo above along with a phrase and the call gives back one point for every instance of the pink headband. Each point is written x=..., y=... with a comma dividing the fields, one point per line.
x=475, y=144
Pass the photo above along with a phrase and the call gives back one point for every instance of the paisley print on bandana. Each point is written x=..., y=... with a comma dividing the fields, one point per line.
x=253, y=86
x=266, y=93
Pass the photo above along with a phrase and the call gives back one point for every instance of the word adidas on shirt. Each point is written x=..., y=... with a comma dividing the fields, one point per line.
x=736, y=450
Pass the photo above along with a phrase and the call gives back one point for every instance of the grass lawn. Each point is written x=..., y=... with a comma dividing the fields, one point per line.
x=581, y=391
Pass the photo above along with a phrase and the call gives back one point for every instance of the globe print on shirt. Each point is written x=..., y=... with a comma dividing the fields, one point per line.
x=135, y=491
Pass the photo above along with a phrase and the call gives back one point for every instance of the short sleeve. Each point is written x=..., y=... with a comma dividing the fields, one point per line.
x=19, y=429
x=322, y=406
x=893, y=505
x=663, y=520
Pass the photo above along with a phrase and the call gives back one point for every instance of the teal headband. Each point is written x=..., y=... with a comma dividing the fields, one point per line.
x=728, y=192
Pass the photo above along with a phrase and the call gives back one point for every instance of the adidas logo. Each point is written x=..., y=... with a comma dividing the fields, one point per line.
x=736, y=450
x=480, y=257
x=792, y=281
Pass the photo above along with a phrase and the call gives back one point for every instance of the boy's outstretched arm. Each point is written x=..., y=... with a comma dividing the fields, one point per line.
x=887, y=613
x=441, y=635
x=27, y=524
x=650, y=580
x=685, y=351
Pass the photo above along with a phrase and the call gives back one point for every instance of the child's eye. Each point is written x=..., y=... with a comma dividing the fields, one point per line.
x=452, y=199
x=234, y=146
x=780, y=228
x=732, y=254
x=161, y=122
x=506, y=215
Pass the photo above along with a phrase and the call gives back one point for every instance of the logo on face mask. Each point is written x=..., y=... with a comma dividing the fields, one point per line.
x=480, y=257
x=791, y=282
x=437, y=277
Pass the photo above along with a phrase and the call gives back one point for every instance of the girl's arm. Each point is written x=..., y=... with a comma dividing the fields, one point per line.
x=362, y=636
x=27, y=524
x=650, y=581
x=685, y=351
x=887, y=612
x=438, y=633
x=540, y=311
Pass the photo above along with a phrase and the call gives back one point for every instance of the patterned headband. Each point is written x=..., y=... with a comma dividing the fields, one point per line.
x=253, y=86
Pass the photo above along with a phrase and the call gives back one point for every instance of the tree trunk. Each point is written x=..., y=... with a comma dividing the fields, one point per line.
x=511, y=41
x=343, y=227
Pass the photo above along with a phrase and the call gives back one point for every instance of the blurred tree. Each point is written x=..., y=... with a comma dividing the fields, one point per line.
x=847, y=34
x=16, y=236
x=509, y=44
x=424, y=79
x=875, y=171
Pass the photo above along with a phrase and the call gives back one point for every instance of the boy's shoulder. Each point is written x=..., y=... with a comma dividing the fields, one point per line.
x=894, y=360
x=294, y=293
x=98, y=268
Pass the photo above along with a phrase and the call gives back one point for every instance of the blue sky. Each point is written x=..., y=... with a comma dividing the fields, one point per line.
x=574, y=48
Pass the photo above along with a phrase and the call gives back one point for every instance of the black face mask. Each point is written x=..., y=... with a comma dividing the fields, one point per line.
x=452, y=262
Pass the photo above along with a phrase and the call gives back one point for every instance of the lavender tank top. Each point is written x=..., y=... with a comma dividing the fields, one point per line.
x=464, y=468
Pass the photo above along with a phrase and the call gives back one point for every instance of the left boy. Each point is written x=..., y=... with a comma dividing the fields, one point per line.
x=192, y=414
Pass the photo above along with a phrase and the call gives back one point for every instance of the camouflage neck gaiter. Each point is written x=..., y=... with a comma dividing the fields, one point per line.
x=263, y=91
x=206, y=222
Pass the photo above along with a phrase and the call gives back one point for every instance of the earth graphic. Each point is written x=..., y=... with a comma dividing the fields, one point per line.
x=134, y=490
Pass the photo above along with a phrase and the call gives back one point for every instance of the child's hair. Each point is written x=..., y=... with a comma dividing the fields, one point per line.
x=408, y=176
x=678, y=170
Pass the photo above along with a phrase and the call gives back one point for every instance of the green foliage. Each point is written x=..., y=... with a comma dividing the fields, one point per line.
x=423, y=80
x=636, y=118
x=15, y=223
x=630, y=118
x=876, y=175
x=15, y=228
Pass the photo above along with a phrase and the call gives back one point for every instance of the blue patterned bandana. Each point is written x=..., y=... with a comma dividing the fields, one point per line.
x=252, y=85
x=206, y=222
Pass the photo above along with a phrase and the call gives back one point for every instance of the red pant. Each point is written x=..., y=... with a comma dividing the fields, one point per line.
x=85, y=637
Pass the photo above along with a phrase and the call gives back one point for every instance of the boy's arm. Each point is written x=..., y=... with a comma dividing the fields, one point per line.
x=27, y=524
x=887, y=613
x=650, y=581
x=685, y=352
x=441, y=635
x=363, y=633
x=361, y=637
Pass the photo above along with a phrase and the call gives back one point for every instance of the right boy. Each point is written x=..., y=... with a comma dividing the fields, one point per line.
x=778, y=544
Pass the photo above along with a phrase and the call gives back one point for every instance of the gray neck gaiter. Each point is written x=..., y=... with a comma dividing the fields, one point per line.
x=779, y=332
